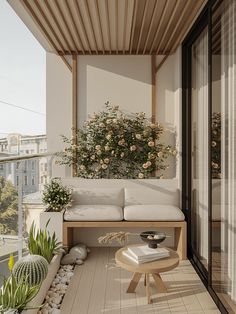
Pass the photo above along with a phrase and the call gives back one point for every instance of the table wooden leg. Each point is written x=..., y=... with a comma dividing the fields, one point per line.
x=134, y=282
x=144, y=282
x=159, y=283
x=148, y=292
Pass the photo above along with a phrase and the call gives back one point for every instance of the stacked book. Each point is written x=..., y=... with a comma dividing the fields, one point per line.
x=143, y=254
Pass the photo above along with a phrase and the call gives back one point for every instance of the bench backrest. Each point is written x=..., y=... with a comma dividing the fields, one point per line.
x=124, y=192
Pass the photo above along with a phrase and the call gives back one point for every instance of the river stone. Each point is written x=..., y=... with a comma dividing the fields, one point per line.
x=68, y=259
x=79, y=251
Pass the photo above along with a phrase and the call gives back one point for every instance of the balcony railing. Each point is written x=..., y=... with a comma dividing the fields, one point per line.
x=19, y=177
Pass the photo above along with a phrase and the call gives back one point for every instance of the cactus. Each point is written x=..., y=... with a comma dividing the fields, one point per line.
x=32, y=267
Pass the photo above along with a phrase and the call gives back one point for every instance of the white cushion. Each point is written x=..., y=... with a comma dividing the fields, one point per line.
x=151, y=195
x=153, y=213
x=98, y=196
x=94, y=213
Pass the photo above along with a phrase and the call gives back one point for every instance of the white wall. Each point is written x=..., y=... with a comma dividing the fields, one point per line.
x=121, y=80
x=126, y=81
x=59, y=106
x=168, y=102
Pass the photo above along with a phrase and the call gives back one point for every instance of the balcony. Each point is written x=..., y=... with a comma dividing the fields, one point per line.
x=140, y=112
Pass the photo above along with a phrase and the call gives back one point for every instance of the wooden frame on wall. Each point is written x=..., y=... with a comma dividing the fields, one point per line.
x=74, y=69
x=74, y=110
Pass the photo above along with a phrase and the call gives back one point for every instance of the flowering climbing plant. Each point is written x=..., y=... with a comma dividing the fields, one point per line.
x=116, y=145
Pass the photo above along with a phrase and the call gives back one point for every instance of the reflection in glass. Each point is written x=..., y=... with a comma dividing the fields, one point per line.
x=224, y=152
x=200, y=147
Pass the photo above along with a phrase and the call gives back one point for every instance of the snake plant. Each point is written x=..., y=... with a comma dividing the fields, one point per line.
x=42, y=243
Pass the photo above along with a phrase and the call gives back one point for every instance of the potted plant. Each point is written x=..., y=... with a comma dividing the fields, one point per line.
x=16, y=293
x=40, y=242
x=56, y=199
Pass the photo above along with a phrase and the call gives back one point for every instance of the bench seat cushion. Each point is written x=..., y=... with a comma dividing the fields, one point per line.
x=94, y=213
x=153, y=213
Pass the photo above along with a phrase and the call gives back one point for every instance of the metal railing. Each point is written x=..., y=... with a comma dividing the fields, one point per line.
x=25, y=157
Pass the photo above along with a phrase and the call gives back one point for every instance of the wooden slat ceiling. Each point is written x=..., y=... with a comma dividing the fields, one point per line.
x=114, y=26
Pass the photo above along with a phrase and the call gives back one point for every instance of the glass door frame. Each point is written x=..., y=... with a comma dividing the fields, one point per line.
x=203, y=21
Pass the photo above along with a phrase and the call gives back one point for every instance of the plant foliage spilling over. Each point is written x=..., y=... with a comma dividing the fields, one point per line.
x=14, y=295
x=32, y=267
x=41, y=243
x=112, y=144
x=56, y=196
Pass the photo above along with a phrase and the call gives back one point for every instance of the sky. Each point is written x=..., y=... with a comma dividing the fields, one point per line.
x=22, y=76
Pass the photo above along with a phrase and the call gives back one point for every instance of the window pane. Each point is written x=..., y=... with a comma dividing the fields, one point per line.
x=200, y=147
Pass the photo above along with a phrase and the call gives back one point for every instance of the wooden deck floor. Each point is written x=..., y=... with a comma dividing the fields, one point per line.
x=99, y=286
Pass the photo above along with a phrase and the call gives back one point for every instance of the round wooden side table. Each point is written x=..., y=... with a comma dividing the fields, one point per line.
x=150, y=268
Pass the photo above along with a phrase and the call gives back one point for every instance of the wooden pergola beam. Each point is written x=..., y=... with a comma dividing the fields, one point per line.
x=117, y=25
x=100, y=25
x=167, y=26
x=142, y=25
x=159, y=26
x=74, y=111
x=153, y=69
x=49, y=25
x=125, y=24
x=66, y=26
x=108, y=24
x=77, y=10
x=91, y=24
x=57, y=24
x=150, y=26
x=134, y=16
x=177, y=25
x=74, y=26
x=161, y=63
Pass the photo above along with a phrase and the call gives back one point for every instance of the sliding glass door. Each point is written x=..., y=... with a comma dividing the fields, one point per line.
x=199, y=147
x=209, y=149
x=224, y=152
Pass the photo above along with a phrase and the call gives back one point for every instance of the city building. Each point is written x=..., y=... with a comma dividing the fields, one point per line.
x=34, y=171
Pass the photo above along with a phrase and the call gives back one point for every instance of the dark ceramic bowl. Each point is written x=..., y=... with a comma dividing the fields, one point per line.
x=153, y=243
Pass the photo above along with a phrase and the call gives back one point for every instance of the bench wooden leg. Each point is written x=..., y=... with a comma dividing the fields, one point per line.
x=67, y=237
x=180, y=241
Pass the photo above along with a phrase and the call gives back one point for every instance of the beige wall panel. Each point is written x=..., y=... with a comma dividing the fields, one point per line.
x=122, y=80
x=59, y=106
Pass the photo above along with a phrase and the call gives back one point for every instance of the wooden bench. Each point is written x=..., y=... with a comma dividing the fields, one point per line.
x=180, y=228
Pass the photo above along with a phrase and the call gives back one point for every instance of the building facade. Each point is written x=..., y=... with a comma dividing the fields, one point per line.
x=34, y=172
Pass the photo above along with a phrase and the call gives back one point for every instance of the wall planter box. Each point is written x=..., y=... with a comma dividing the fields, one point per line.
x=52, y=271
x=55, y=224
